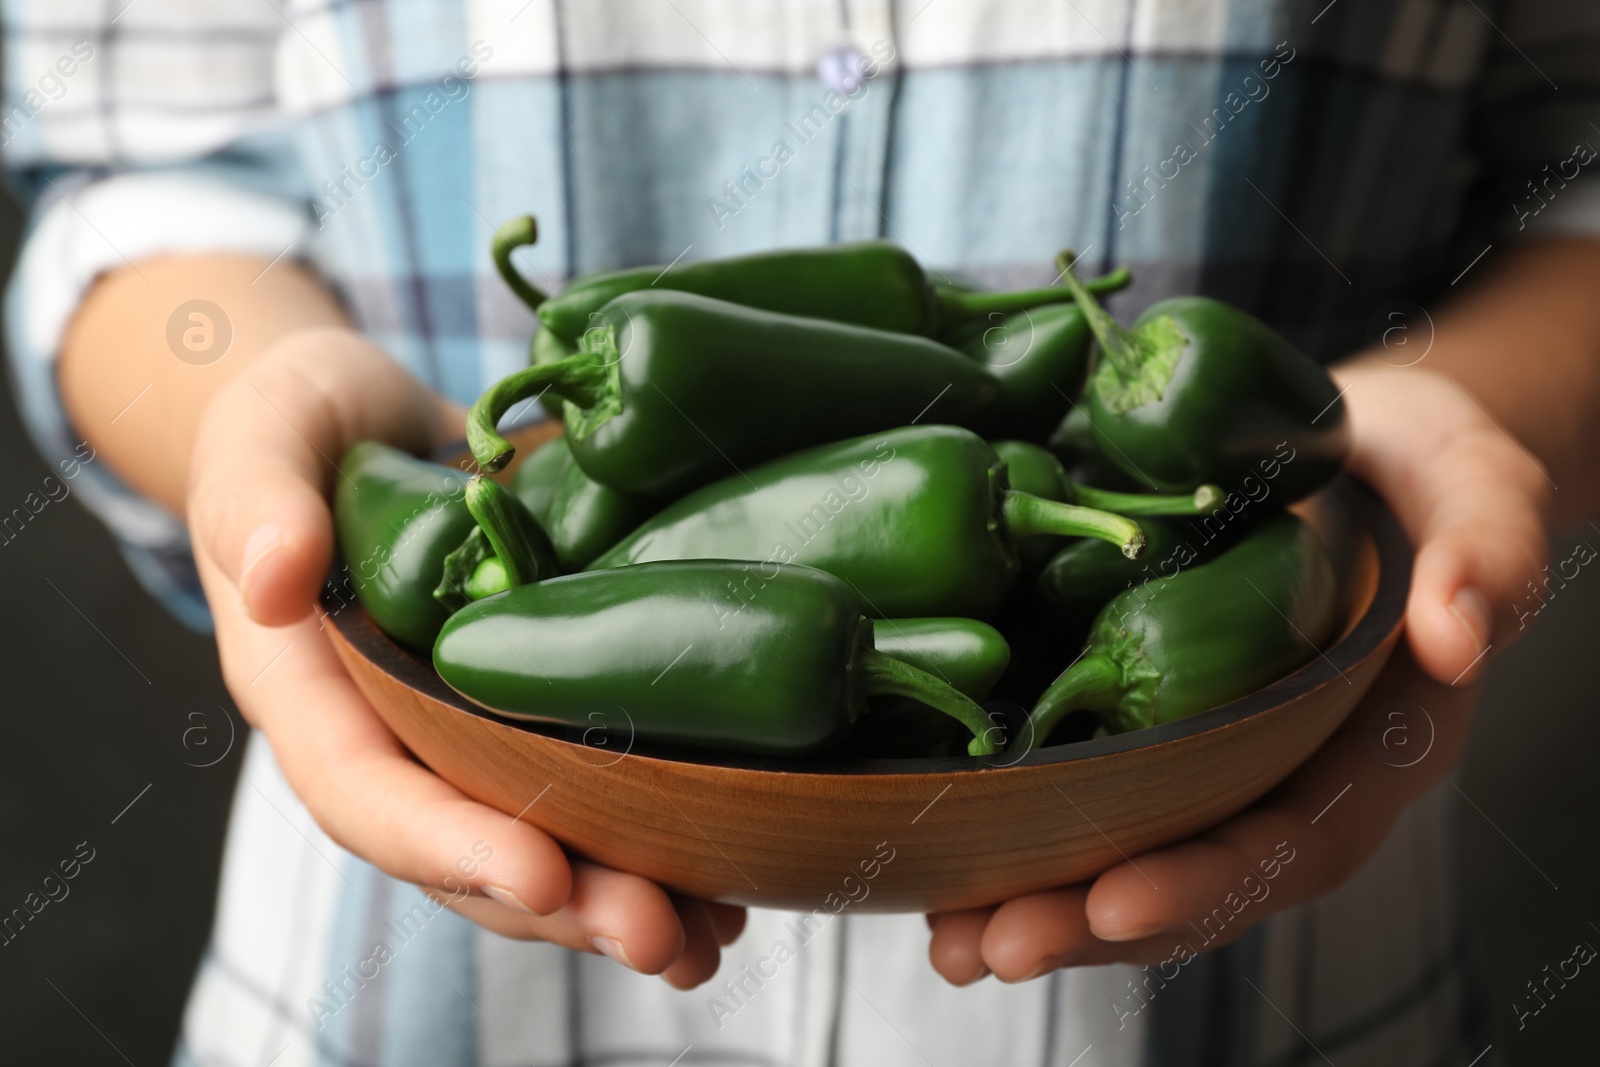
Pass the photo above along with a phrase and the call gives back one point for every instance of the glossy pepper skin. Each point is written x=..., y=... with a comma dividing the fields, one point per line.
x=582, y=517
x=539, y=475
x=1198, y=391
x=969, y=654
x=918, y=520
x=1215, y=632
x=868, y=283
x=396, y=519
x=1073, y=442
x=1080, y=579
x=1040, y=358
x=702, y=653
x=675, y=390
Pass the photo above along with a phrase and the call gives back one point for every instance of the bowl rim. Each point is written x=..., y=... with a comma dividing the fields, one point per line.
x=1380, y=619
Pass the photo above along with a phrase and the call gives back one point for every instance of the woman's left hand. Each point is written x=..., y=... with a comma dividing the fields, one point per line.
x=1473, y=502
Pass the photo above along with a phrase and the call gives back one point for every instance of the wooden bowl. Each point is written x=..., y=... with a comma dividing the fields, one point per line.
x=900, y=835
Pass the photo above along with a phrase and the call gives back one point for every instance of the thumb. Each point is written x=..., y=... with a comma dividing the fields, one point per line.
x=267, y=453
x=1473, y=501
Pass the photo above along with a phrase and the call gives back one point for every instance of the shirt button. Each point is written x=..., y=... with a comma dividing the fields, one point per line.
x=841, y=69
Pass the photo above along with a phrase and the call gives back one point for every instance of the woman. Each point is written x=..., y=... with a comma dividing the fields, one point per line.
x=259, y=235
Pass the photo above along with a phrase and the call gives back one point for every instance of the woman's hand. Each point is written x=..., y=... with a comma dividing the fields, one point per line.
x=265, y=460
x=1473, y=502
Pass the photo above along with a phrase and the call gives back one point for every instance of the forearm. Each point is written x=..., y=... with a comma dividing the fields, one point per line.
x=135, y=395
x=1524, y=343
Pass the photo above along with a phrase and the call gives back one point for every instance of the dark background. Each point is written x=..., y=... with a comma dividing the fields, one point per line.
x=104, y=694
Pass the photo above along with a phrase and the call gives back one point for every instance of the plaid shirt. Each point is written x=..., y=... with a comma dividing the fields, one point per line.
x=1312, y=162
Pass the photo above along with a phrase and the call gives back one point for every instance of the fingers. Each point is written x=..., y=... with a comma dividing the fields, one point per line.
x=1479, y=548
x=701, y=954
x=728, y=919
x=355, y=777
x=267, y=452
x=1300, y=842
x=623, y=916
x=956, y=950
x=1472, y=500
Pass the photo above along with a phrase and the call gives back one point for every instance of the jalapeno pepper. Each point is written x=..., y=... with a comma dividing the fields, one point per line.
x=1080, y=578
x=707, y=653
x=1033, y=469
x=919, y=521
x=1216, y=632
x=1073, y=442
x=869, y=283
x=1039, y=357
x=966, y=653
x=582, y=517
x=539, y=475
x=1198, y=391
x=674, y=390
x=397, y=520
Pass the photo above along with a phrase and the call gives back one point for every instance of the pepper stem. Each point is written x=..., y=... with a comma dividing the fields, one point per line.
x=512, y=235
x=961, y=305
x=575, y=379
x=1093, y=682
x=1204, y=499
x=887, y=675
x=1122, y=347
x=1026, y=515
x=456, y=587
x=516, y=537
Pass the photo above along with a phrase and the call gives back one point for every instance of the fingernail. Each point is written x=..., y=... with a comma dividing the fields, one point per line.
x=1472, y=612
x=1049, y=964
x=610, y=946
x=265, y=541
x=1129, y=933
x=502, y=895
x=979, y=975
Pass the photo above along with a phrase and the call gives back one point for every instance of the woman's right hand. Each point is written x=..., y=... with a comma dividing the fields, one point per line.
x=264, y=464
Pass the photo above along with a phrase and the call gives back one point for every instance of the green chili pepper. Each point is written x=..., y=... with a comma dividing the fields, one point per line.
x=582, y=517
x=1081, y=578
x=1073, y=442
x=703, y=652
x=422, y=539
x=1215, y=632
x=539, y=475
x=1039, y=356
x=677, y=389
x=870, y=283
x=966, y=653
x=1198, y=391
x=397, y=518
x=919, y=521
x=1035, y=470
